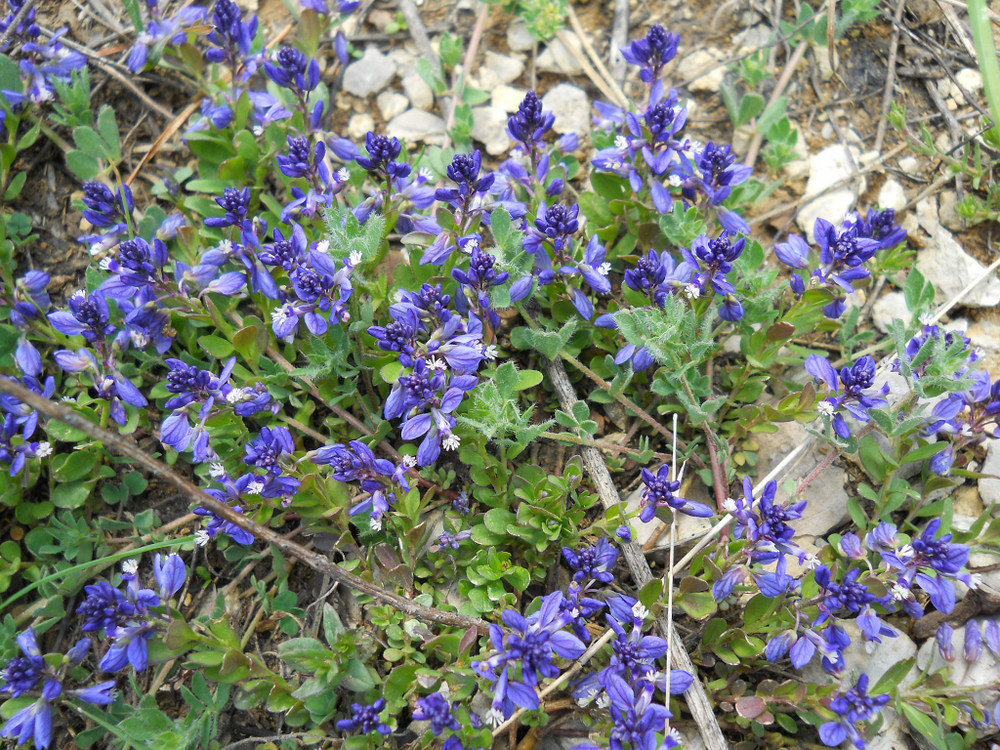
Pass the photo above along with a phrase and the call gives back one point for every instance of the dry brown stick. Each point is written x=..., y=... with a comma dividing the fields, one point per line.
x=697, y=698
x=467, y=62
x=314, y=560
x=951, y=16
x=619, y=38
x=15, y=22
x=616, y=94
x=417, y=30
x=630, y=405
x=112, y=70
x=779, y=88
x=589, y=69
x=167, y=133
x=890, y=78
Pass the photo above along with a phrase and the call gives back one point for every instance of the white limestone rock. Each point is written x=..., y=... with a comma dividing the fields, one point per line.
x=360, y=125
x=826, y=169
x=945, y=263
x=704, y=69
x=892, y=195
x=418, y=125
x=391, y=103
x=417, y=91
x=507, y=98
x=890, y=306
x=489, y=127
x=370, y=74
x=557, y=57
x=519, y=39
x=571, y=106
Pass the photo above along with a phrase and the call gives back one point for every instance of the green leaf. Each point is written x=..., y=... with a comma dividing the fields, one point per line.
x=108, y=128
x=751, y=105
x=73, y=466
x=70, y=495
x=857, y=513
x=889, y=681
x=548, y=343
x=873, y=459
x=699, y=606
x=216, y=346
x=83, y=165
x=499, y=520
x=10, y=75
x=772, y=114
x=528, y=379
x=926, y=727
x=15, y=186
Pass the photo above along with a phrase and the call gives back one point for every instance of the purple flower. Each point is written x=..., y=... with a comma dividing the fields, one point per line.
x=930, y=563
x=436, y=709
x=633, y=654
x=855, y=598
x=234, y=202
x=365, y=719
x=652, y=53
x=530, y=123
x=381, y=160
x=464, y=172
x=106, y=209
x=105, y=608
x=378, y=477
x=293, y=70
x=269, y=448
x=712, y=260
x=594, y=562
x=24, y=673
x=882, y=227
x=991, y=634
x=531, y=644
x=765, y=524
x=170, y=574
x=852, y=707
x=232, y=39
x=637, y=717
x=88, y=316
x=857, y=395
x=720, y=172
x=218, y=525
x=660, y=493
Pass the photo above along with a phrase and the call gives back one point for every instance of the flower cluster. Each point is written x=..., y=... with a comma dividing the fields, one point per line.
x=126, y=617
x=659, y=493
x=440, y=352
x=207, y=394
x=378, y=477
x=32, y=673
x=161, y=31
x=930, y=562
x=843, y=253
x=631, y=679
x=43, y=64
x=852, y=390
x=19, y=420
x=966, y=417
x=526, y=653
x=852, y=707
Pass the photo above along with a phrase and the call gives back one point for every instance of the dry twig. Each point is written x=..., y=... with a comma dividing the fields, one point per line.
x=697, y=698
x=314, y=560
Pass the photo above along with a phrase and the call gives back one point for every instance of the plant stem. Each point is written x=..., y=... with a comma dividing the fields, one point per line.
x=982, y=36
